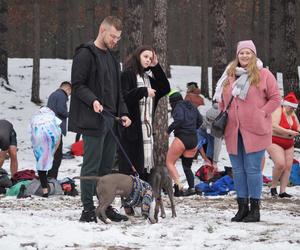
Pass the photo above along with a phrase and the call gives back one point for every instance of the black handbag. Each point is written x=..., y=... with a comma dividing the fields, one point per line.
x=219, y=124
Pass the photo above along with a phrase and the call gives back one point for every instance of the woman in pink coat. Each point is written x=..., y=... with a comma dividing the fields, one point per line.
x=249, y=129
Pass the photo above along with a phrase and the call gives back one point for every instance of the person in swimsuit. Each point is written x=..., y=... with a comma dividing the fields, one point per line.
x=285, y=128
x=187, y=119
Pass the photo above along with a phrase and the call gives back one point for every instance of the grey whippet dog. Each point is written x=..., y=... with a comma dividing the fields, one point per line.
x=160, y=179
x=108, y=187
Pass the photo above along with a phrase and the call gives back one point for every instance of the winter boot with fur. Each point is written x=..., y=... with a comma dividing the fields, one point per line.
x=243, y=211
x=254, y=215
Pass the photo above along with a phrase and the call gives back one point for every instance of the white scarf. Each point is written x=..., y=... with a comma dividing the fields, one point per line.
x=146, y=105
x=240, y=86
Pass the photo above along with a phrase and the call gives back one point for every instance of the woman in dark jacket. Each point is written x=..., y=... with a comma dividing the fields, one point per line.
x=143, y=84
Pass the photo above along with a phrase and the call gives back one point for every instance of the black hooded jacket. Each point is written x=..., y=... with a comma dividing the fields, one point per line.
x=187, y=118
x=87, y=80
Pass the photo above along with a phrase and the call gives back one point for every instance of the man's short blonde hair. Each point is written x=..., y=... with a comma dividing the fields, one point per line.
x=113, y=21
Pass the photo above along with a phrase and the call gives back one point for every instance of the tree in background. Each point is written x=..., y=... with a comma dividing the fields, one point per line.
x=219, y=60
x=133, y=29
x=161, y=140
x=35, y=89
x=3, y=43
x=290, y=74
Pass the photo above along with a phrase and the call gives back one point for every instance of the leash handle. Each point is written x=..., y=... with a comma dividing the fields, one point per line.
x=118, y=119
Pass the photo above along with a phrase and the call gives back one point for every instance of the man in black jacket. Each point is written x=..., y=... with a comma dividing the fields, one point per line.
x=96, y=92
x=57, y=102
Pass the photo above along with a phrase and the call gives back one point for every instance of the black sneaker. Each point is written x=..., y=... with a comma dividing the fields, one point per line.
x=274, y=192
x=285, y=195
x=113, y=215
x=88, y=216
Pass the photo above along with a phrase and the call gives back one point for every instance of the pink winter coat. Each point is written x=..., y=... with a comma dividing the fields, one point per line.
x=252, y=116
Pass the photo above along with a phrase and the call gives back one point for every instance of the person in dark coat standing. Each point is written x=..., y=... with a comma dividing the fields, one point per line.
x=57, y=102
x=96, y=95
x=143, y=84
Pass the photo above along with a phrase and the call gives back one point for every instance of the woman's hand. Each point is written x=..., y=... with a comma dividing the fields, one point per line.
x=151, y=92
x=154, y=61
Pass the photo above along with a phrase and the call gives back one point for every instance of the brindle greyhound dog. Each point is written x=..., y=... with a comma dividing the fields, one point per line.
x=108, y=187
x=160, y=179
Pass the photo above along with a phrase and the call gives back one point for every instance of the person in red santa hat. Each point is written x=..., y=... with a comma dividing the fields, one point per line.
x=285, y=127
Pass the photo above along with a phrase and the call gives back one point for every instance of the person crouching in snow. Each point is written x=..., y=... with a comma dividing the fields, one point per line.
x=187, y=119
x=45, y=137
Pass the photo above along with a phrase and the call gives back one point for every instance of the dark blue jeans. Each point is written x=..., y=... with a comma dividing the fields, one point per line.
x=247, y=174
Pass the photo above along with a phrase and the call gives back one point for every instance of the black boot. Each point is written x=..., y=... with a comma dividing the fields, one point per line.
x=243, y=211
x=254, y=215
x=177, y=192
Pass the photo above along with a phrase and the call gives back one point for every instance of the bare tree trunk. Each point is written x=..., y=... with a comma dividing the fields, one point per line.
x=160, y=125
x=133, y=25
x=3, y=43
x=290, y=74
x=276, y=35
x=219, y=60
x=204, y=49
x=35, y=89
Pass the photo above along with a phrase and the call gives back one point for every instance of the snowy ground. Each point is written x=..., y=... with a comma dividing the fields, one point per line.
x=201, y=223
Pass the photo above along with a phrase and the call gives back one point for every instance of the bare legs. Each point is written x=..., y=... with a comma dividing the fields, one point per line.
x=12, y=151
x=177, y=149
x=283, y=160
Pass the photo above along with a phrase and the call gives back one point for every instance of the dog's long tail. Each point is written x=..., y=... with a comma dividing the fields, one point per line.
x=96, y=178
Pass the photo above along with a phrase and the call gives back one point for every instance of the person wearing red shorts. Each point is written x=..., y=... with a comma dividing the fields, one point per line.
x=285, y=127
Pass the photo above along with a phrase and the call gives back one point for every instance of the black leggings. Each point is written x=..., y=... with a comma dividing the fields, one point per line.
x=43, y=178
x=187, y=165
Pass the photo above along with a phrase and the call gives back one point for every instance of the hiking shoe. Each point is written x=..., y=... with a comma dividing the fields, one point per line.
x=285, y=195
x=113, y=215
x=274, y=192
x=88, y=216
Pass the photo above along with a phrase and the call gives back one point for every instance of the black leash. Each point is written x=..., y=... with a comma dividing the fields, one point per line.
x=119, y=120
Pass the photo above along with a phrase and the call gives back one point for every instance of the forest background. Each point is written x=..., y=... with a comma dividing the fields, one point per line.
x=196, y=32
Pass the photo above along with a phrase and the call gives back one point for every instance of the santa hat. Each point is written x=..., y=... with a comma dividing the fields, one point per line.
x=247, y=44
x=290, y=100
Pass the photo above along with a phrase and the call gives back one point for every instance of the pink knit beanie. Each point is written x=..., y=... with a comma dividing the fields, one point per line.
x=247, y=44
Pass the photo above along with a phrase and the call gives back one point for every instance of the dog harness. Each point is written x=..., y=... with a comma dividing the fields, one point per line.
x=141, y=195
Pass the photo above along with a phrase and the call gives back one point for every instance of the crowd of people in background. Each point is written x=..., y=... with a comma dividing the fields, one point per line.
x=101, y=94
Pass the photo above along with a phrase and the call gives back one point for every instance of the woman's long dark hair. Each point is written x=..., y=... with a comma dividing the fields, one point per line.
x=133, y=63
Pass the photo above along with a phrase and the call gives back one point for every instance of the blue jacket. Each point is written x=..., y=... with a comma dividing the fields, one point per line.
x=186, y=117
x=57, y=102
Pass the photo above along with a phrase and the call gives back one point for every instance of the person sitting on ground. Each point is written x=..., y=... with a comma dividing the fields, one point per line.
x=57, y=102
x=285, y=127
x=45, y=138
x=8, y=145
x=213, y=144
x=187, y=119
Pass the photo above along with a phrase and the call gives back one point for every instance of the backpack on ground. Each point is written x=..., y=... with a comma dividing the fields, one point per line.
x=295, y=173
x=23, y=175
